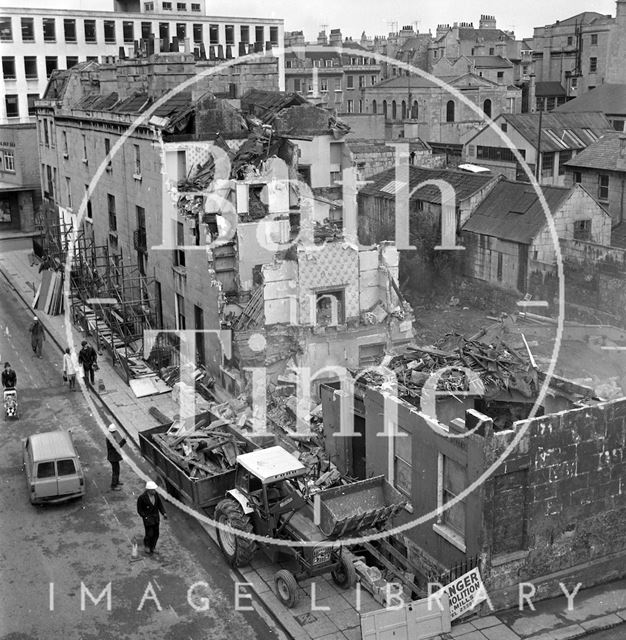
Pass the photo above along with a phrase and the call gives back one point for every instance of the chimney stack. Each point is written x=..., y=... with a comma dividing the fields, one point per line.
x=487, y=22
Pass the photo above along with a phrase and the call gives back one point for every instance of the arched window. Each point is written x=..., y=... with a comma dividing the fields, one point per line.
x=450, y=111
x=403, y=110
x=487, y=108
x=385, y=108
x=394, y=110
x=415, y=110
x=374, y=106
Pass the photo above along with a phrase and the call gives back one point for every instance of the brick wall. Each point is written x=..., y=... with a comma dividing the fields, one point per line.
x=556, y=509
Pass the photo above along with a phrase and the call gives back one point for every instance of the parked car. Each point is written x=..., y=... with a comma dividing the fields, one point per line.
x=52, y=467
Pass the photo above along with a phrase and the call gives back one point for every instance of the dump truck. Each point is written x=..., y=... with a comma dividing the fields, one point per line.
x=264, y=501
x=199, y=493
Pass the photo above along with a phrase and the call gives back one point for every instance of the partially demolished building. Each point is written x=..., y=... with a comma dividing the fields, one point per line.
x=527, y=498
x=233, y=207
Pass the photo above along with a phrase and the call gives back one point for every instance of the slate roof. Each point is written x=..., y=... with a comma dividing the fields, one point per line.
x=402, y=82
x=602, y=154
x=586, y=17
x=465, y=185
x=551, y=88
x=491, y=62
x=560, y=131
x=512, y=211
x=607, y=98
x=135, y=104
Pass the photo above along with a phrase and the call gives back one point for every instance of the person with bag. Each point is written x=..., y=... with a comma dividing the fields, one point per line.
x=88, y=357
x=149, y=506
x=69, y=369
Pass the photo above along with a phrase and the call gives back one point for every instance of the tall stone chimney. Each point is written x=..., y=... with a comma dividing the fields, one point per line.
x=336, y=39
x=487, y=22
x=615, y=69
x=442, y=29
x=322, y=38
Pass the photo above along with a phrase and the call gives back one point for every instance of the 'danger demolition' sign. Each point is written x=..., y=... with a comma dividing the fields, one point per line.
x=465, y=593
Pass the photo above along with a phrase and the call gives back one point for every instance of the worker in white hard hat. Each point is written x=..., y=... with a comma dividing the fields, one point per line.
x=149, y=506
x=114, y=455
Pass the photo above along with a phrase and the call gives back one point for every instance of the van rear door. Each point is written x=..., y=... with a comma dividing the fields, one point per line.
x=68, y=480
x=45, y=479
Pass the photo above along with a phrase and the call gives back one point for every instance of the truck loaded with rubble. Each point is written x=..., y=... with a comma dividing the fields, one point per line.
x=265, y=497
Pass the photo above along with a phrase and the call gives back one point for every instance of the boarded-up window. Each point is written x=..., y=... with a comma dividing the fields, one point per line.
x=510, y=506
x=454, y=483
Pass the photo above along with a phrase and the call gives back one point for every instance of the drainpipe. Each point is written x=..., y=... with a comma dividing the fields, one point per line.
x=538, y=163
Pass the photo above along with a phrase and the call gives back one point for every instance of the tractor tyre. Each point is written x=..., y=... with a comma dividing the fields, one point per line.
x=286, y=587
x=344, y=574
x=238, y=550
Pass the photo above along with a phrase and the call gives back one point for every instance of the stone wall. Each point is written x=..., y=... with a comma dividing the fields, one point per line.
x=556, y=508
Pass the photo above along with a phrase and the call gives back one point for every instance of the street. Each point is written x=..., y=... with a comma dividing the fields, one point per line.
x=58, y=559
x=616, y=633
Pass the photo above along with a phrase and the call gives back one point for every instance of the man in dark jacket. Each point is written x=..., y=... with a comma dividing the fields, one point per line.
x=149, y=506
x=37, y=336
x=88, y=357
x=9, y=377
x=114, y=456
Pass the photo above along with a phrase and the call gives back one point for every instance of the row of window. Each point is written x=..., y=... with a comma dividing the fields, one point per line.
x=90, y=32
x=31, y=71
x=302, y=86
x=48, y=140
x=12, y=104
x=169, y=6
x=593, y=40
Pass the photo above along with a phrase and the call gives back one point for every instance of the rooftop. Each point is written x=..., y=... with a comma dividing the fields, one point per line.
x=602, y=154
x=560, y=131
x=512, y=211
x=607, y=98
x=553, y=88
x=385, y=185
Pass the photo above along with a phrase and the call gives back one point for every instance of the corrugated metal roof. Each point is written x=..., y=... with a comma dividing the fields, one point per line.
x=602, y=154
x=561, y=131
x=51, y=445
x=608, y=98
x=512, y=211
x=384, y=185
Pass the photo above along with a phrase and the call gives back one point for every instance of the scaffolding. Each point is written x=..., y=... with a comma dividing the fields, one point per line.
x=110, y=299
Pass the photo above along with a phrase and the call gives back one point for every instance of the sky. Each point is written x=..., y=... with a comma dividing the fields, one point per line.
x=375, y=17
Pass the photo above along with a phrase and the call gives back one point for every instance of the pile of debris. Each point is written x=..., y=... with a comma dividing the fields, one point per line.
x=206, y=451
x=498, y=367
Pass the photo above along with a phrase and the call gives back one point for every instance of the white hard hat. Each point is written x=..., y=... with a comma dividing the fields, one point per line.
x=112, y=428
x=35, y=318
x=151, y=485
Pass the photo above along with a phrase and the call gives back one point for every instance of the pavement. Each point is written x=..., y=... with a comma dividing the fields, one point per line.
x=329, y=613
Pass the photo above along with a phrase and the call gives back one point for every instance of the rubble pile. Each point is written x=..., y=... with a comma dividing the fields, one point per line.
x=499, y=368
x=208, y=450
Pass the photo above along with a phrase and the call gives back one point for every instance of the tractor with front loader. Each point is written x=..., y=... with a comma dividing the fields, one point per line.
x=266, y=502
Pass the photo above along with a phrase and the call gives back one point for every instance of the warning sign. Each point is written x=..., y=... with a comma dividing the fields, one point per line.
x=465, y=593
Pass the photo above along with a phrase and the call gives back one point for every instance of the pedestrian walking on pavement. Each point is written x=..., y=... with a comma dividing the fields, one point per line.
x=37, y=336
x=114, y=456
x=149, y=506
x=9, y=377
x=70, y=366
x=88, y=358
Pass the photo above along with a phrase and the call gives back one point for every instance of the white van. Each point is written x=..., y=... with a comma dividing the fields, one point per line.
x=52, y=467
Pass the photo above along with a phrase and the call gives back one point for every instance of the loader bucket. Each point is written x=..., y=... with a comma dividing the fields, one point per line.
x=358, y=506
